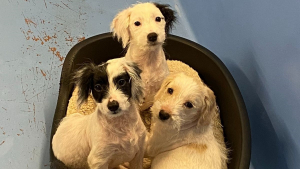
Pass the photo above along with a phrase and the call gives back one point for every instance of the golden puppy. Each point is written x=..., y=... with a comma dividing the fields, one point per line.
x=181, y=135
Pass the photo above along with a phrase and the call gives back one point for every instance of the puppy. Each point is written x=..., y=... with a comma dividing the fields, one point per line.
x=114, y=133
x=143, y=29
x=181, y=135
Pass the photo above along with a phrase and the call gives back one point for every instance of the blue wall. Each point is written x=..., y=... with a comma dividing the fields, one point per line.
x=35, y=36
x=259, y=42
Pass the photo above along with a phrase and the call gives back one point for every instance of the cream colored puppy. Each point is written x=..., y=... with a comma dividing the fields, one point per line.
x=143, y=29
x=181, y=135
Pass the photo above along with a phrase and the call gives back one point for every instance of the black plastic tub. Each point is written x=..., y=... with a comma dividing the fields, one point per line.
x=234, y=116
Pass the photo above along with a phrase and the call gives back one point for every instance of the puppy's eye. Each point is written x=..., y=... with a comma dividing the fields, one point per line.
x=98, y=88
x=121, y=82
x=188, y=105
x=158, y=19
x=137, y=23
x=170, y=90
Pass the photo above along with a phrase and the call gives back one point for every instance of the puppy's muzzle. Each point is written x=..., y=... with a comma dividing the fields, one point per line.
x=163, y=115
x=152, y=37
x=113, y=106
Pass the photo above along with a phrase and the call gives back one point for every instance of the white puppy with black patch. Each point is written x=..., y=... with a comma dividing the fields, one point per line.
x=114, y=133
x=181, y=135
x=143, y=29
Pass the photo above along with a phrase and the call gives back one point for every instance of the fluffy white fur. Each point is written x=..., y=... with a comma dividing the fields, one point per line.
x=103, y=139
x=185, y=140
x=149, y=56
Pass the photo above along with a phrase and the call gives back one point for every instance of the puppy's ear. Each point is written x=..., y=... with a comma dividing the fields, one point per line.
x=169, y=15
x=209, y=108
x=136, y=81
x=162, y=90
x=120, y=26
x=83, y=79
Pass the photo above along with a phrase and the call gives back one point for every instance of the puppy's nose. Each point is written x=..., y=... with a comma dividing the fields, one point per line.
x=164, y=115
x=113, y=105
x=152, y=37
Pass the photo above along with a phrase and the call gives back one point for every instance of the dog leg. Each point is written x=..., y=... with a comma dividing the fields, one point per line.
x=96, y=161
x=137, y=161
x=123, y=166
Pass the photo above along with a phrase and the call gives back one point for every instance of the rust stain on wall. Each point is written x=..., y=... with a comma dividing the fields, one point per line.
x=43, y=73
x=53, y=40
x=3, y=132
x=2, y=143
x=21, y=133
x=29, y=22
x=80, y=39
x=59, y=56
x=53, y=49
x=47, y=38
x=38, y=39
x=56, y=53
x=69, y=39
x=27, y=33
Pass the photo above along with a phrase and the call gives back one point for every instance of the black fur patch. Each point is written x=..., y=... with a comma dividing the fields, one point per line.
x=91, y=75
x=137, y=90
x=87, y=77
x=126, y=88
x=100, y=78
x=136, y=69
x=169, y=15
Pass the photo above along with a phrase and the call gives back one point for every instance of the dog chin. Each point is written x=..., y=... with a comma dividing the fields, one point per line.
x=153, y=44
x=110, y=114
x=113, y=114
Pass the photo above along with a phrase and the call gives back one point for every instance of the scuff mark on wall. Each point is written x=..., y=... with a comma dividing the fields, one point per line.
x=33, y=112
x=45, y=3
